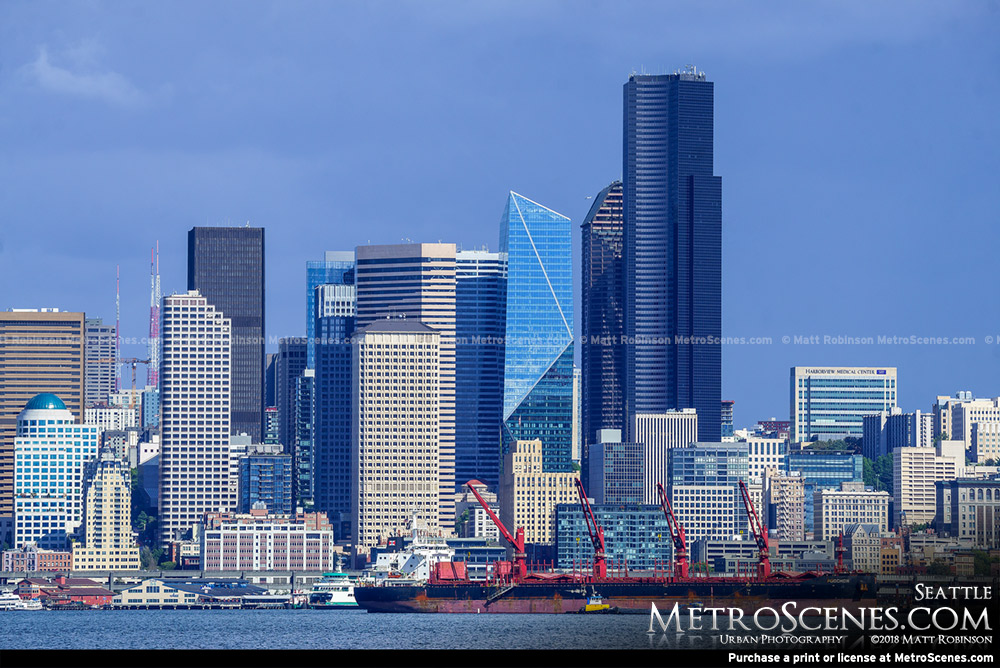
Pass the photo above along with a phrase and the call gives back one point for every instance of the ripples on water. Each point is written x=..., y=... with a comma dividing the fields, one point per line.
x=315, y=629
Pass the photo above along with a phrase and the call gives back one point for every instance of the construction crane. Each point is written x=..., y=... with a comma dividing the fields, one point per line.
x=517, y=542
x=596, y=534
x=126, y=360
x=676, y=535
x=759, y=534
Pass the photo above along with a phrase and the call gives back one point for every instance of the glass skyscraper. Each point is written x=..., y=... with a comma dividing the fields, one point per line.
x=601, y=351
x=480, y=301
x=823, y=469
x=538, y=355
x=336, y=268
x=672, y=248
x=226, y=265
x=333, y=410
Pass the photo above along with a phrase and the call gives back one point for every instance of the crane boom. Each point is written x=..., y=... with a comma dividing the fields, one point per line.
x=759, y=534
x=596, y=534
x=517, y=542
x=676, y=535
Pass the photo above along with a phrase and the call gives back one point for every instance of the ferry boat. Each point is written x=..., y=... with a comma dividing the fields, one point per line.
x=334, y=592
x=11, y=601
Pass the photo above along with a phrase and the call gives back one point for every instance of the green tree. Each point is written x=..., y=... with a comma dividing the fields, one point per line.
x=168, y=566
x=983, y=562
x=939, y=567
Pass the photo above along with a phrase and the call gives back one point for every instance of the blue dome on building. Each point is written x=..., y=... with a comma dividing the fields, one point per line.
x=45, y=402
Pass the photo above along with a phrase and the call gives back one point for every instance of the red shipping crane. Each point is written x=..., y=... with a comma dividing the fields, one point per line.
x=676, y=535
x=759, y=535
x=517, y=542
x=596, y=534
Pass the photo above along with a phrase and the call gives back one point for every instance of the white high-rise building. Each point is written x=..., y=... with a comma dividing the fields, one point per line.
x=195, y=382
x=914, y=472
x=830, y=402
x=659, y=433
x=51, y=452
x=395, y=432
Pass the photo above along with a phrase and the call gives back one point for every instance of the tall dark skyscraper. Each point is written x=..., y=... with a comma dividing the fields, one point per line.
x=290, y=364
x=673, y=248
x=226, y=264
x=601, y=352
x=480, y=311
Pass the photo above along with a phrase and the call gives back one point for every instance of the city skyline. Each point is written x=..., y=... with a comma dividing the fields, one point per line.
x=798, y=164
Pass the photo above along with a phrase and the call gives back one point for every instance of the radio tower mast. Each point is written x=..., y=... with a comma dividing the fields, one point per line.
x=153, y=368
x=118, y=335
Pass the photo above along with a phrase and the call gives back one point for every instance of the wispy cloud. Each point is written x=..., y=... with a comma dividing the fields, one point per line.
x=108, y=86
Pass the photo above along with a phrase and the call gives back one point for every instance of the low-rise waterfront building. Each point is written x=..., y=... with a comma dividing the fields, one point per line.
x=195, y=592
x=62, y=590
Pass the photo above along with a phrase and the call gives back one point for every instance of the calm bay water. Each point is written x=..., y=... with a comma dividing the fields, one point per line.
x=315, y=629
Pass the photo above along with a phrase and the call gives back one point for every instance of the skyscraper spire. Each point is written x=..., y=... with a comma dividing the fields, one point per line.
x=153, y=368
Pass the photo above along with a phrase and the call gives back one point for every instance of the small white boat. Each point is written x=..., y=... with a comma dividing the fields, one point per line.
x=334, y=591
x=11, y=601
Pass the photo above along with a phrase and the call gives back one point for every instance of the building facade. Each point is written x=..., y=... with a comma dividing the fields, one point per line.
x=969, y=510
x=703, y=484
x=260, y=541
x=828, y=403
x=480, y=310
x=660, y=433
x=289, y=365
x=417, y=282
x=529, y=494
x=195, y=390
x=304, y=466
x=40, y=351
x=672, y=249
x=784, y=505
x=395, y=470
x=226, y=266
x=333, y=420
x=107, y=539
x=101, y=354
x=336, y=268
x=51, y=451
x=823, y=469
x=915, y=470
x=266, y=480
x=636, y=538
x=602, y=354
x=616, y=471
x=888, y=431
x=30, y=559
x=538, y=355
x=834, y=510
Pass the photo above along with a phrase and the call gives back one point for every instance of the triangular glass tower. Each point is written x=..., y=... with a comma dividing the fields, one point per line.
x=538, y=356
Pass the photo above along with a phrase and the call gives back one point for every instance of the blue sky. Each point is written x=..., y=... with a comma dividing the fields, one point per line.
x=857, y=142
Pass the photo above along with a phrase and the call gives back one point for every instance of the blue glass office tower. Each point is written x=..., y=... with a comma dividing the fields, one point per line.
x=266, y=479
x=538, y=355
x=331, y=456
x=337, y=268
x=672, y=250
x=823, y=469
x=480, y=303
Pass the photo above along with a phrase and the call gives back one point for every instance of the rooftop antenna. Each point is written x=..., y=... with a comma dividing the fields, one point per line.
x=118, y=334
